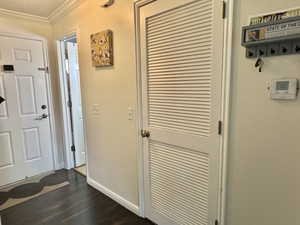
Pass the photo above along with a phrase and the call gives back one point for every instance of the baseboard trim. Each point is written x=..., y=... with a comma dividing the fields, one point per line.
x=59, y=166
x=122, y=201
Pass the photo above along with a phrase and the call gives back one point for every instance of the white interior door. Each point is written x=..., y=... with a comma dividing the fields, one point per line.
x=25, y=138
x=77, y=115
x=181, y=62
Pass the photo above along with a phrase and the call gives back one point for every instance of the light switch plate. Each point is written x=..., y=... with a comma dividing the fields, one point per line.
x=130, y=113
x=96, y=109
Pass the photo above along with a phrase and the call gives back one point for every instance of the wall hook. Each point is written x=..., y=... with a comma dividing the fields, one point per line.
x=108, y=3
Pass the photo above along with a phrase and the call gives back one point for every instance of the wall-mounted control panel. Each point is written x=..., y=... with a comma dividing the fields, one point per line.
x=284, y=89
x=272, y=38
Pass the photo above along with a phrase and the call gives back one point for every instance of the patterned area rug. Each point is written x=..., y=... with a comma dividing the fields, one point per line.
x=30, y=188
x=81, y=170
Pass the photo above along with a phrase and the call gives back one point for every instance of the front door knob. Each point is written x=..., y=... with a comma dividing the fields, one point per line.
x=43, y=116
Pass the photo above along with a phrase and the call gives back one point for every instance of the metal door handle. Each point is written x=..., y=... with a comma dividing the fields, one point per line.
x=43, y=116
x=145, y=133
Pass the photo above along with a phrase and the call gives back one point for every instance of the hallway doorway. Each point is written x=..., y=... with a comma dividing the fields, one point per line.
x=75, y=149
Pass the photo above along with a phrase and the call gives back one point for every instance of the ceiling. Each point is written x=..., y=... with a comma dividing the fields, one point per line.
x=41, y=8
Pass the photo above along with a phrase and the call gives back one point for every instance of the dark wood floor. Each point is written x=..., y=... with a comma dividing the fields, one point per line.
x=75, y=204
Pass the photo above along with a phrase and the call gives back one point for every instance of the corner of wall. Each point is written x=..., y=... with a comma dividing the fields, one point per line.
x=122, y=201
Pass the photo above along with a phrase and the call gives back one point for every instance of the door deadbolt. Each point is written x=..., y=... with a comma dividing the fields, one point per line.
x=145, y=133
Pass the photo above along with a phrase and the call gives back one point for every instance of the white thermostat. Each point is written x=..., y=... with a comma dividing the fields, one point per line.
x=284, y=89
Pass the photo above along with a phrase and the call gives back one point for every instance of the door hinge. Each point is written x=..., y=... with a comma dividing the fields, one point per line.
x=145, y=133
x=70, y=104
x=220, y=127
x=224, y=10
x=73, y=148
x=216, y=222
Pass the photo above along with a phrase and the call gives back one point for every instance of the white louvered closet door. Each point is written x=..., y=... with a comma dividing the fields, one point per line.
x=181, y=63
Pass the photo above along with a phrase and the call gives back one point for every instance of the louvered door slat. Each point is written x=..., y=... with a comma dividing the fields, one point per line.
x=178, y=13
x=180, y=37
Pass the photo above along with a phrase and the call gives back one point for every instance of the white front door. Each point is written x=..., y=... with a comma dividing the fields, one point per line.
x=181, y=63
x=75, y=91
x=25, y=138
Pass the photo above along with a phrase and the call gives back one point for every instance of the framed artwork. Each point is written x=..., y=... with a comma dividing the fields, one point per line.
x=102, y=48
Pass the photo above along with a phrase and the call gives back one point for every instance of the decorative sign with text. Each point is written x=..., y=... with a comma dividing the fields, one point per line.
x=275, y=17
x=273, y=31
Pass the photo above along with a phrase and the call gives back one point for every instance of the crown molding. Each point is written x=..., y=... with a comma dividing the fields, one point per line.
x=21, y=15
x=64, y=9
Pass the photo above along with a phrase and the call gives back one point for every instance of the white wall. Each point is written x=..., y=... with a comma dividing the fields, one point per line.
x=111, y=137
x=22, y=26
x=264, y=152
x=263, y=182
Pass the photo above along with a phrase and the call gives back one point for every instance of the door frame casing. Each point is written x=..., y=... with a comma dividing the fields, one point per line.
x=54, y=146
x=225, y=106
x=68, y=158
x=63, y=93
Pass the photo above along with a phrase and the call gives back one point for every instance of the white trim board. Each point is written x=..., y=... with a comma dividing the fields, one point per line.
x=59, y=12
x=226, y=89
x=63, y=102
x=137, y=5
x=20, y=15
x=122, y=201
x=64, y=9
